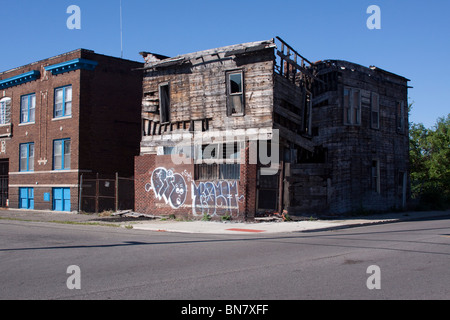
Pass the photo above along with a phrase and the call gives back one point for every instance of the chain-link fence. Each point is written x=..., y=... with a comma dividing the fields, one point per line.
x=100, y=193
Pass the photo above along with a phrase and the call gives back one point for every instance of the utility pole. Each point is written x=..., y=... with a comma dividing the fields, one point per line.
x=121, y=40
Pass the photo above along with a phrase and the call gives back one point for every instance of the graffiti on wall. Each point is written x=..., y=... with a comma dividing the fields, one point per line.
x=218, y=198
x=221, y=198
x=168, y=186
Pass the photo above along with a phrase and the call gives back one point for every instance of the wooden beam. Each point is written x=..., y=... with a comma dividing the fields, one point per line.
x=295, y=138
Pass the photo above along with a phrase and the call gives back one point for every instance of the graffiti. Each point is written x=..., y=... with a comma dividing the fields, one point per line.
x=187, y=175
x=169, y=186
x=221, y=198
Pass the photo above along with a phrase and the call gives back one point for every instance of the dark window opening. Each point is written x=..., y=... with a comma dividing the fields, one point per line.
x=164, y=103
x=375, y=111
x=215, y=171
x=235, y=93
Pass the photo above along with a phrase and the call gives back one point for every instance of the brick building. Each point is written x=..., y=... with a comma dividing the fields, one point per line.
x=256, y=127
x=63, y=117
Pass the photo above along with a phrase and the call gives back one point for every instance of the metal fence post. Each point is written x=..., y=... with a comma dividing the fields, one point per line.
x=81, y=192
x=117, y=192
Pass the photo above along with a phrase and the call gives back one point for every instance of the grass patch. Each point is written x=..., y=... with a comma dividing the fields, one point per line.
x=86, y=223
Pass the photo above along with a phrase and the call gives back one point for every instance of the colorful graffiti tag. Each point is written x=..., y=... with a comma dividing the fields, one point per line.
x=169, y=186
x=221, y=198
x=218, y=198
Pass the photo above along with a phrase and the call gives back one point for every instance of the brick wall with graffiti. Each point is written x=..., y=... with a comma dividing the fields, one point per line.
x=163, y=188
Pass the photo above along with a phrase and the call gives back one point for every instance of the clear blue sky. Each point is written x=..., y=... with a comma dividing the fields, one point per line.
x=414, y=40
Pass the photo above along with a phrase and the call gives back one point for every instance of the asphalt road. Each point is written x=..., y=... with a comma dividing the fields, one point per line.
x=413, y=260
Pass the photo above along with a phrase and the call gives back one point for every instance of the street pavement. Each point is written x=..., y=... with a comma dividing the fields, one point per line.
x=217, y=227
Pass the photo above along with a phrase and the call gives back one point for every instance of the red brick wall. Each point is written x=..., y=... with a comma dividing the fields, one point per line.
x=163, y=188
x=104, y=127
x=110, y=120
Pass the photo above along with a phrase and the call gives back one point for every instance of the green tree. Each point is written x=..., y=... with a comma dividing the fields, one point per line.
x=430, y=162
x=438, y=163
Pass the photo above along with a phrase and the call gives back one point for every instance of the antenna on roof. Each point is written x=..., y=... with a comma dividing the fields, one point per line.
x=121, y=41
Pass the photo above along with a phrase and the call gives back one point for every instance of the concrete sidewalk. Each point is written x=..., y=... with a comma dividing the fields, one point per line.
x=214, y=227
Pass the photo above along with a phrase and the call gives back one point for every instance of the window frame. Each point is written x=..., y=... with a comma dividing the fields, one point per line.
x=375, y=109
x=63, y=154
x=64, y=102
x=164, y=105
x=5, y=110
x=230, y=95
x=217, y=171
x=30, y=109
x=350, y=117
x=29, y=159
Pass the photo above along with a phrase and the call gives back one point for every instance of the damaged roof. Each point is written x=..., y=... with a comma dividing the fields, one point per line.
x=158, y=61
x=346, y=65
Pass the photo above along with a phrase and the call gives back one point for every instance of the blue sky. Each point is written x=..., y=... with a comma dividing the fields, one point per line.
x=414, y=39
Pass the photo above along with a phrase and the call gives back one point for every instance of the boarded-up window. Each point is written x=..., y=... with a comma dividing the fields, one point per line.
x=235, y=93
x=352, y=106
x=375, y=111
x=164, y=102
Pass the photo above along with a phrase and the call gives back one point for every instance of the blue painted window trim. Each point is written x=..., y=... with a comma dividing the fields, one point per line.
x=64, y=103
x=30, y=161
x=29, y=199
x=19, y=79
x=63, y=155
x=28, y=108
x=72, y=65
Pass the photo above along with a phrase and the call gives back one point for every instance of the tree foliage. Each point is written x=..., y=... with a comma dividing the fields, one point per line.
x=430, y=161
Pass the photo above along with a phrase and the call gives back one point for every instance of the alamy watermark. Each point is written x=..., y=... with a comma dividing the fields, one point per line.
x=374, y=280
x=226, y=146
x=74, y=280
x=74, y=20
x=374, y=21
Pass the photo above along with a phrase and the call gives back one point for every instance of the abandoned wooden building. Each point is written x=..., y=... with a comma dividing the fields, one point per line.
x=253, y=128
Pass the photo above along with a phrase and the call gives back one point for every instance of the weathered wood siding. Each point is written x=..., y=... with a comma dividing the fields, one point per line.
x=198, y=97
x=351, y=149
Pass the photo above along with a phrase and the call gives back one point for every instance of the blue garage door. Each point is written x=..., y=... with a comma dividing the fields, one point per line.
x=26, y=198
x=61, y=199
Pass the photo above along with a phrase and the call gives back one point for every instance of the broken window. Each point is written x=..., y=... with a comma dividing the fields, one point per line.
x=164, y=102
x=352, y=106
x=226, y=152
x=235, y=93
x=375, y=111
x=375, y=176
x=400, y=117
x=214, y=171
x=218, y=161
